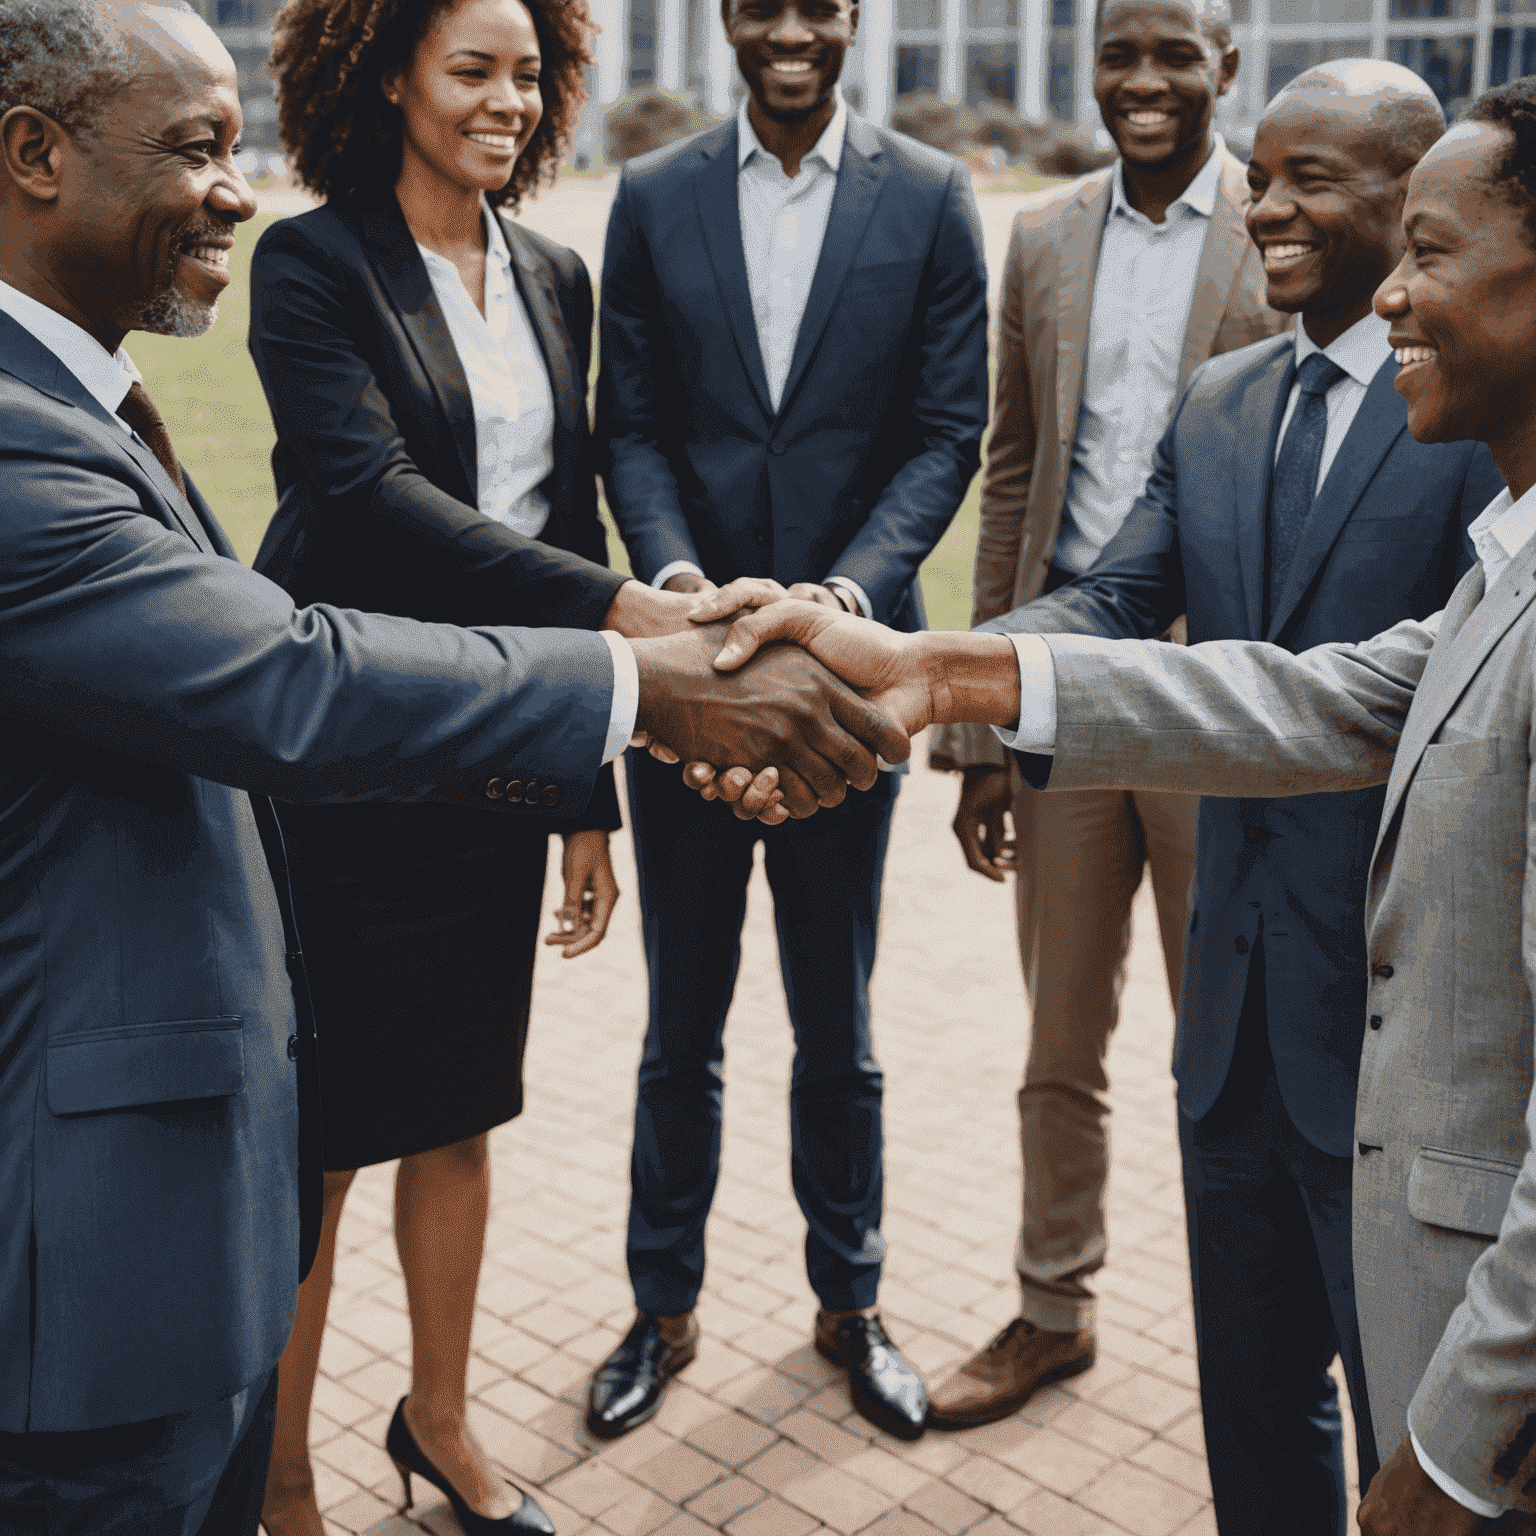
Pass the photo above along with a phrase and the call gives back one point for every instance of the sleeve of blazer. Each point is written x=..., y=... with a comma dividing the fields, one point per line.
x=1004, y=499
x=947, y=417
x=635, y=405
x=1235, y=718
x=330, y=412
x=118, y=633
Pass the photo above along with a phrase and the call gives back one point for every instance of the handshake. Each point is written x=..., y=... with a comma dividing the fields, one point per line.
x=780, y=710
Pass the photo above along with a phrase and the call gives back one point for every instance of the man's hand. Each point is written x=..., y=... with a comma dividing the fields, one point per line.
x=985, y=798
x=590, y=894
x=642, y=613
x=1404, y=1500
x=784, y=710
x=688, y=581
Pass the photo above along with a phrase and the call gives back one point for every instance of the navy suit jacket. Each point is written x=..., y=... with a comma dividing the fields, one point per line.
x=1385, y=541
x=878, y=431
x=158, y=1098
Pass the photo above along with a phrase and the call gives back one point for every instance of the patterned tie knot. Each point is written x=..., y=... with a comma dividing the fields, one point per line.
x=1318, y=374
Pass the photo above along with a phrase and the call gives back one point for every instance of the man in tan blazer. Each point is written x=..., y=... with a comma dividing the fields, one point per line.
x=1441, y=710
x=1117, y=287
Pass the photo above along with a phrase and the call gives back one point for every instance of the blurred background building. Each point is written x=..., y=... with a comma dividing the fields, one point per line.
x=1033, y=57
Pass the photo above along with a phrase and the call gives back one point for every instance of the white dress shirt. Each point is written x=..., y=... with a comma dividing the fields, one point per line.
x=1141, y=299
x=508, y=384
x=109, y=376
x=1360, y=352
x=783, y=223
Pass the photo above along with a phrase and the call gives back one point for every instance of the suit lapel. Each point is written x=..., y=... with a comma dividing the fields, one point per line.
x=1380, y=421
x=1077, y=260
x=1263, y=404
x=403, y=275
x=1221, y=255
x=860, y=175
x=24, y=357
x=1473, y=624
x=714, y=196
x=537, y=289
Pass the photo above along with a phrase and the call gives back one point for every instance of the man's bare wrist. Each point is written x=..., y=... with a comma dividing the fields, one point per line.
x=972, y=679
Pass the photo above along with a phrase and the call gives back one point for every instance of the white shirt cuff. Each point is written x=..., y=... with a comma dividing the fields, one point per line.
x=859, y=594
x=1450, y=1487
x=667, y=572
x=626, y=694
x=1036, y=730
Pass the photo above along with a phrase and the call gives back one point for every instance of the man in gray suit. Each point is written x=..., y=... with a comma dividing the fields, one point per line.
x=1443, y=712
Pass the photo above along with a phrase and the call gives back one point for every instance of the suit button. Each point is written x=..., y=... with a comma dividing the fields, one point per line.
x=293, y=1047
x=762, y=538
x=494, y=789
x=1375, y=1021
x=1383, y=971
x=1251, y=832
x=1241, y=945
x=777, y=446
x=514, y=789
x=551, y=795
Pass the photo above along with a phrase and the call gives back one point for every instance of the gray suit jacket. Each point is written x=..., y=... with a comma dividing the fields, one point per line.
x=1445, y=1176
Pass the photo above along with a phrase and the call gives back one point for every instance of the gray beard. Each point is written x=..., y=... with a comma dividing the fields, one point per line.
x=171, y=313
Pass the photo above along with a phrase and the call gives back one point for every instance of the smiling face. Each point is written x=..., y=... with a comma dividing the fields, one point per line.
x=1156, y=78
x=150, y=193
x=1462, y=302
x=1326, y=207
x=469, y=100
x=790, y=51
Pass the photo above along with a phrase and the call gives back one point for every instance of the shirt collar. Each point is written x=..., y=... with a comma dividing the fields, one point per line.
x=1198, y=197
x=1511, y=522
x=107, y=376
x=829, y=147
x=1360, y=351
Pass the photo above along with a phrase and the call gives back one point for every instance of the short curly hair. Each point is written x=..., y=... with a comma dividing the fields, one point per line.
x=329, y=58
x=1512, y=107
x=57, y=57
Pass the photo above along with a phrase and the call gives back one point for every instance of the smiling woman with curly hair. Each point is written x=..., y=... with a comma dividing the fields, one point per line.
x=330, y=58
x=425, y=360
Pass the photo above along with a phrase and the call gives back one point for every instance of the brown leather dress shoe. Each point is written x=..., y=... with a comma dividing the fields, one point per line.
x=1005, y=1374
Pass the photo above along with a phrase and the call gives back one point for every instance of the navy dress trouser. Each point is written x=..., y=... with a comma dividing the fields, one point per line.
x=694, y=859
x=1270, y=1254
x=198, y=1473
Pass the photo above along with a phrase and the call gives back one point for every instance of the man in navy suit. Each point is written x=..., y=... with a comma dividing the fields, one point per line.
x=159, y=1139
x=794, y=385
x=1287, y=503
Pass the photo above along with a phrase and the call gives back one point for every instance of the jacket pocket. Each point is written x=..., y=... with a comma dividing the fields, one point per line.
x=132, y=1065
x=1459, y=759
x=1459, y=1191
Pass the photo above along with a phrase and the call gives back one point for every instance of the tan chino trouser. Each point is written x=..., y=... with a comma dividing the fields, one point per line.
x=1080, y=859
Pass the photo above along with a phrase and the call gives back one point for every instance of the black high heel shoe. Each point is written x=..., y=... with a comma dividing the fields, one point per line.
x=407, y=1457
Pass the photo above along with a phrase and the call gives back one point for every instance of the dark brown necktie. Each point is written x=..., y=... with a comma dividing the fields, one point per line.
x=138, y=410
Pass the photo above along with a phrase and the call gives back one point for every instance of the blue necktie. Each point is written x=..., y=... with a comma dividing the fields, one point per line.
x=1294, y=482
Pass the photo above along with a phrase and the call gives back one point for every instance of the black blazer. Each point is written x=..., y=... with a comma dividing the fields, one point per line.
x=376, y=458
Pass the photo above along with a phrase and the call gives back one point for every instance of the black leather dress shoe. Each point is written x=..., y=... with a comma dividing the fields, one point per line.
x=628, y=1386
x=882, y=1382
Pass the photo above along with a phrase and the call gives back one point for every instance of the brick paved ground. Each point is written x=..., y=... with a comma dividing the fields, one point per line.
x=757, y=1437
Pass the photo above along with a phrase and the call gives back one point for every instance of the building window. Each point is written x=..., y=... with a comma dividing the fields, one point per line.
x=1444, y=62
x=917, y=15
x=1440, y=10
x=237, y=13
x=1061, y=95
x=917, y=69
x=1504, y=7
x=1287, y=60
x=1240, y=12
x=1513, y=54
x=642, y=44
x=991, y=73
x=993, y=13
x=1061, y=13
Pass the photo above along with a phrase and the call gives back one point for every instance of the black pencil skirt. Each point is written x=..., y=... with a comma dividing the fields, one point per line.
x=419, y=932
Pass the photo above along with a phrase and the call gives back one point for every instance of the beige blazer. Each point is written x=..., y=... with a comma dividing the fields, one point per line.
x=1042, y=356
x=1445, y=1176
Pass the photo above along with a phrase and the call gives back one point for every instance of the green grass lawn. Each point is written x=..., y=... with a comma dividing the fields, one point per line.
x=208, y=392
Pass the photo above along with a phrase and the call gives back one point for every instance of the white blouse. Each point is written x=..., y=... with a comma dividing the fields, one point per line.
x=508, y=384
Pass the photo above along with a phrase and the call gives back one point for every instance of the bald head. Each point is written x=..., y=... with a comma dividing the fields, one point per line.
x=1399, y=113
